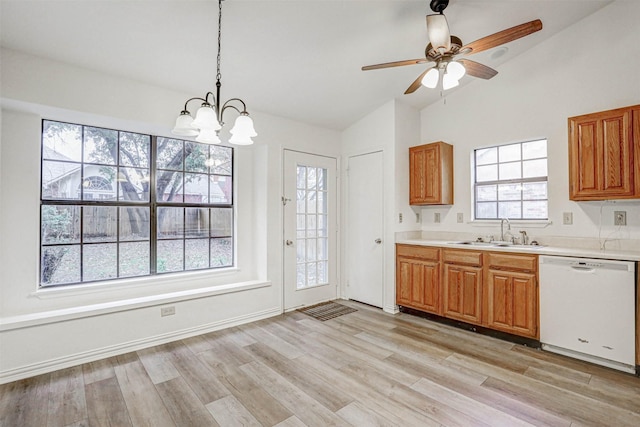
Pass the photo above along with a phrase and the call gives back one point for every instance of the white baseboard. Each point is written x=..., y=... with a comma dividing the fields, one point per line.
x=114, y=350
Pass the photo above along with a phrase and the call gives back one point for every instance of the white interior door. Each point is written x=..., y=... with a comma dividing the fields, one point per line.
x=365, y=226
x=310, y=229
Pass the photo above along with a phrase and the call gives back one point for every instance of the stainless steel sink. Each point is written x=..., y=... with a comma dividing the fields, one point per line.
x=497, y=245
x=471, y=243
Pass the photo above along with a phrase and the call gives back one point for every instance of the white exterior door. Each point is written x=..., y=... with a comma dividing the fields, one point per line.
x=365, y=251
x=310, y=229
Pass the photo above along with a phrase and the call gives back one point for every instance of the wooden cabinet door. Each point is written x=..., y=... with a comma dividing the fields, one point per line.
x=462, y=293
x=601, y=156
x=431, y=174
x=512, y=302
x=418, y=284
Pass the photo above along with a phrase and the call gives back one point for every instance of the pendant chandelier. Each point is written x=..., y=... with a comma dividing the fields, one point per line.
x=208, y=121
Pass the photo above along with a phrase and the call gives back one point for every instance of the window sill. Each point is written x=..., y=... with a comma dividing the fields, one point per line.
x=130, y=282
x=61, y=315
x=529, y=223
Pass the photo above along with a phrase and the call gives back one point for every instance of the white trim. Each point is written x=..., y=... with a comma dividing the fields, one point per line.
x=114, y=350
x=179, y=277
x=533, y=223
x=55, y=316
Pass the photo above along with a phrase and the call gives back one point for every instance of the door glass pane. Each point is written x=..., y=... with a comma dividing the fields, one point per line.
x=311, y=227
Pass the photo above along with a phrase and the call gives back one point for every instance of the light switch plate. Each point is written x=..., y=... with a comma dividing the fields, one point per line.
x=460, y=217
x=620, y=218
x=436, y=217
x=567, y=218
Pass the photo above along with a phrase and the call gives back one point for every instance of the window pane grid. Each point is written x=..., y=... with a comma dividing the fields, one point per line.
x=311, y=229
x=99, y=209
x=511, y=181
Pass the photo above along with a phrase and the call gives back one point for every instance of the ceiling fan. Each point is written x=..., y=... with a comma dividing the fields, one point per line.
x=443, y=48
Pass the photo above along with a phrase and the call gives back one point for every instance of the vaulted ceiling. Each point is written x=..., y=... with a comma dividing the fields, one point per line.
x=299, y=59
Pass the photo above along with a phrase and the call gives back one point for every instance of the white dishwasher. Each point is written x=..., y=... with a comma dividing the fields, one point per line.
x=587, y=310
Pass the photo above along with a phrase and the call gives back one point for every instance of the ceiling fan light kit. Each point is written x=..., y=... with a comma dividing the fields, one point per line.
x=208, y=121
x=443, y=48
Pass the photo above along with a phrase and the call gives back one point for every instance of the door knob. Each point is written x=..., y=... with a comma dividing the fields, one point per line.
x=289, y=243
x=378, y=241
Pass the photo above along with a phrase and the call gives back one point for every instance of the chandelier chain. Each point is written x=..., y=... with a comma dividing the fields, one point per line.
x=219, y=75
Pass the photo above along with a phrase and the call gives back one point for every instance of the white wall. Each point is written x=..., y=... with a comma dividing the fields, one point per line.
x=590, y=66
x=41, y=331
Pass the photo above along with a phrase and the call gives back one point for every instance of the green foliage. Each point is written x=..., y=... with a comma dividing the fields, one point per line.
x=56, y=224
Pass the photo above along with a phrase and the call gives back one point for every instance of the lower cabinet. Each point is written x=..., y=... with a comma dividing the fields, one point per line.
x=512, y=302
x=491, y=289
x=418, y=278
x=462, y=285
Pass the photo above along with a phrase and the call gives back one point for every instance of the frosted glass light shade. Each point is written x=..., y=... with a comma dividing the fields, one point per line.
x=242, y=130
x=208, y=136
x=438, y=31
x=430, y=79
x=456, y=70
x=449, y=81
x=184, y=126
x=206, y=118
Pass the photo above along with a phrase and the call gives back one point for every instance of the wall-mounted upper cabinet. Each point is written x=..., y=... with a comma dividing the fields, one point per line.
x=431, y=174
x=604, y=155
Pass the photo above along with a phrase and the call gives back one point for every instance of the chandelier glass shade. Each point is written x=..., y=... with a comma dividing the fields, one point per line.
x=208, y=120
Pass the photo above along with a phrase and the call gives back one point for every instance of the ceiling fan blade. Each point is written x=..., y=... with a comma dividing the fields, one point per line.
x=395, y=64
x=477, y=69
x=417, y=83
x=502, y=37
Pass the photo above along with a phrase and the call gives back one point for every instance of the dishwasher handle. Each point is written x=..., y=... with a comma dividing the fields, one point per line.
x=583, y=269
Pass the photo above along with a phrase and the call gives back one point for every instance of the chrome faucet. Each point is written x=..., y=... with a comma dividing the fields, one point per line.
x=525, y=238
x=502, y=220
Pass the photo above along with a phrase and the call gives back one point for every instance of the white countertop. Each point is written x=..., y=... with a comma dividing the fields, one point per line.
x=540, y=250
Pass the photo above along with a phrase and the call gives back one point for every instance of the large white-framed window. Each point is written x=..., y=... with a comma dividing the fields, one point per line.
x=510, y=181
x=117, y=204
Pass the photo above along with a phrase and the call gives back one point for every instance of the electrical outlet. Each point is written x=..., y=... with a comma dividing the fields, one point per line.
x=400, y=217
x=417, y=217
x=167, y=311
x=620, y=218
x=460, y=217
x=567, y=218
x=436, y=217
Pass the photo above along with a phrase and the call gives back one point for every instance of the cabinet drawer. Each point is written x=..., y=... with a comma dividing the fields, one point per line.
x=512, y=261
x=420, y=252
x=454, y=256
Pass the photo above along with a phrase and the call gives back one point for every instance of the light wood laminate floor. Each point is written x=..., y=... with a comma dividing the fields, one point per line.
x=366, y=368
